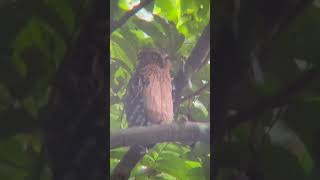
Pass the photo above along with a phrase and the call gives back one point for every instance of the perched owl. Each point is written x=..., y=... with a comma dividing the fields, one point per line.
x=148, y=101
x=149, y=93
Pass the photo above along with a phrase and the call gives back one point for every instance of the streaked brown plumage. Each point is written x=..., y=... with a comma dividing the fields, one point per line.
x=149, y=93
x=148, y=101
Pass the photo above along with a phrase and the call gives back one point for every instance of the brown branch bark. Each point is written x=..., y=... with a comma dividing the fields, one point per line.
x=117, y=24
x=185, y=132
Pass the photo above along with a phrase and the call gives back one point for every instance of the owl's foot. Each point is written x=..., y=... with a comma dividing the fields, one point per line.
x=144, y=150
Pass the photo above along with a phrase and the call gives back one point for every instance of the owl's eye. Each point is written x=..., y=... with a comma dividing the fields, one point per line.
x=155, y=56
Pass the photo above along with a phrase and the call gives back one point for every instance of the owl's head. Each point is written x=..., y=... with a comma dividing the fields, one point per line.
x=158, y=57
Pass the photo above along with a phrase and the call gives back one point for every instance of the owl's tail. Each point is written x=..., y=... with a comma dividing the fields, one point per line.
x=123, y=170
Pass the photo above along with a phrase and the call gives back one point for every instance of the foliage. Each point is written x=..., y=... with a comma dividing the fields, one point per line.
x=175, y=25
x=35, y=37
x=281, y=143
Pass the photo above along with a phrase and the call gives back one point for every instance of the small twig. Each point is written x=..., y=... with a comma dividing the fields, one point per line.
x=195, y=93
x=117, y=24
x=189, y=109
x=275, y=118
x=204, y=62
x=121, y=117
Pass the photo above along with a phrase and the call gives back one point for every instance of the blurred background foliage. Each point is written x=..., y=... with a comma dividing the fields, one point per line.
x=175, y=25
x=35, y=36
x=281, y=143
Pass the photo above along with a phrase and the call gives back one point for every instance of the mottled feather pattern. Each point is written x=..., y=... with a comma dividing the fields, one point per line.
x=149, y=92
x=134, y=106
x=158, y=95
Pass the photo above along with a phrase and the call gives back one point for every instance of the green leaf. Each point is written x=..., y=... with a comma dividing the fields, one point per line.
x=115, y=11
x=127, y=47
x=38, y=35
x=119, y=54
x=174, y=166
x=115, y=113
x=124, y=5
x=153, y=30
x=167, y=9
x=196, y=174
x=203, y=113
x=175, y=38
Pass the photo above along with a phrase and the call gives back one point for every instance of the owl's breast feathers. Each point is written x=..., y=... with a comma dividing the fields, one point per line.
x=157, y=95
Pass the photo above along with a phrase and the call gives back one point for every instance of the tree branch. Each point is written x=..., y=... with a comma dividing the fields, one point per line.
x=117, y=24
x=186, y=132
x=195, y=93
x=198, y=55
x=278, y=99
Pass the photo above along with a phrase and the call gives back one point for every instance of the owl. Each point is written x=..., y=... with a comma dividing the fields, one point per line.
x=149, y=93
x=148, y=101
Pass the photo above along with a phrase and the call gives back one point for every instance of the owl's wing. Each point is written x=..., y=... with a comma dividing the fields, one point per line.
x=134, y=102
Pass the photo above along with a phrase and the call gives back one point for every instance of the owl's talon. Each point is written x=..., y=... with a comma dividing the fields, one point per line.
x=182, y=120
x=144, y=149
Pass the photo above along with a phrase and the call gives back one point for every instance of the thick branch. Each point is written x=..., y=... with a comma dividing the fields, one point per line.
x=189, y=131
x=117, y=24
